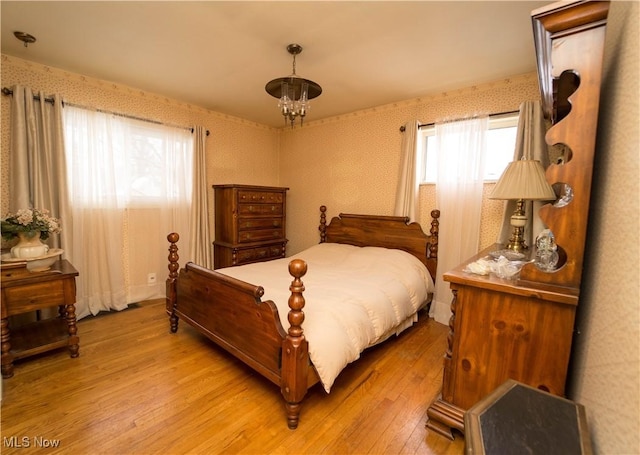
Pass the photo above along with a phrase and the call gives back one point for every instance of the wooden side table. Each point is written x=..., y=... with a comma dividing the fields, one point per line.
x=23, y=292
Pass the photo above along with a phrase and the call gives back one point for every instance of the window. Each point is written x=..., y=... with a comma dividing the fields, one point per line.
x=130, y=184
x=126, y=162
x=154, y=152
x=501, y=142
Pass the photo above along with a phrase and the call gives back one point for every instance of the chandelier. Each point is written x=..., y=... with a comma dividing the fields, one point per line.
x=294, y=92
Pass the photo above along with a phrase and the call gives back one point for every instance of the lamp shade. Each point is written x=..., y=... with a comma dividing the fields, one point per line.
x=523, y=179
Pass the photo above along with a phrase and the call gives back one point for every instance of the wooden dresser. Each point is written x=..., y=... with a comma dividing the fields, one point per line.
x=523, y=329
x=501, y=329
x=249, y=224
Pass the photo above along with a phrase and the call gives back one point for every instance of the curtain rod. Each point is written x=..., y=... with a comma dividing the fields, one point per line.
x=7, y=91
x=422, y=125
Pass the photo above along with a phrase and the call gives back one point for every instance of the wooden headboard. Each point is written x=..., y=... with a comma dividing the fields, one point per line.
x=384, y=231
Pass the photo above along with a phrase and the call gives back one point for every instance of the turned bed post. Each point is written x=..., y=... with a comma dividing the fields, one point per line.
x=171, y=298
x=295, y=349
x=323, y=224
x=435, y=229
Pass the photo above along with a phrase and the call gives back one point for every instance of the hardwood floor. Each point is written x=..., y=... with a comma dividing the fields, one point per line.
x=137, y=389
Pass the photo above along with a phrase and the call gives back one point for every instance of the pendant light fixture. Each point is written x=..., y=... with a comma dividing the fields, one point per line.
x=294, y=92
x=25, y=38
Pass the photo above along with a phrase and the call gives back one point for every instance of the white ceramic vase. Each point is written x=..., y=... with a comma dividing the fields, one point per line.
x=29, y=246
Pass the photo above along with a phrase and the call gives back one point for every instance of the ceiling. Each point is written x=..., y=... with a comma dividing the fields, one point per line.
x=219, y=55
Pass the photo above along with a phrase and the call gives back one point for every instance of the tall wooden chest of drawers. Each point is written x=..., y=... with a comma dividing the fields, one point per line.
x=249, y=224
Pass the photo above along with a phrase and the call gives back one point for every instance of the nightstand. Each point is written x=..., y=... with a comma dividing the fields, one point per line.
x=23, y=292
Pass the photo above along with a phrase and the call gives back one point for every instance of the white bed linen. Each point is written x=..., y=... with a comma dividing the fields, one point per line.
x=355, y=297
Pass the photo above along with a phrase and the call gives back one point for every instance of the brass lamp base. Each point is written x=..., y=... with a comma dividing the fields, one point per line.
x=518, y=221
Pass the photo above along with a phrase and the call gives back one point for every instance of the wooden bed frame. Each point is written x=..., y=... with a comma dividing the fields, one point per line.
x=230, y=312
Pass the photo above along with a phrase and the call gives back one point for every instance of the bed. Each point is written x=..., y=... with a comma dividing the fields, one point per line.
x=249, y=320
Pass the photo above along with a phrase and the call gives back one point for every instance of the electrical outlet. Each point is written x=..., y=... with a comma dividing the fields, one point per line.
x=151, y=279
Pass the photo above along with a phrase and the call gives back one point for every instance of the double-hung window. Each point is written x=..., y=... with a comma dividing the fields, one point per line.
x=501, y=142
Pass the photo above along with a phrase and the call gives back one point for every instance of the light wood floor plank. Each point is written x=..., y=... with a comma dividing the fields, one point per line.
x=137, y=389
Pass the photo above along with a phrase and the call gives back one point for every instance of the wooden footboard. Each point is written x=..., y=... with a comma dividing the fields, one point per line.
x=230, y=313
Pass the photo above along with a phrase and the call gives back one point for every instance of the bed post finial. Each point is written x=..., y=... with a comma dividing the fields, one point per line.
x=323, y=224
x=295, y=349
x=171, y=297
x=435, y=229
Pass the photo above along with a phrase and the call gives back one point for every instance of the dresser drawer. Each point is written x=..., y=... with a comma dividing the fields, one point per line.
x=259, y=196
x=248, y=255
x=260, y=235
x=245, y=224
x=20, y=299
x=259, y=209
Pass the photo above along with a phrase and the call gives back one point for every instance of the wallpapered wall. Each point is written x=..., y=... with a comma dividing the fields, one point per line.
x=605, y=375
x=231, y=147
x=349, y=163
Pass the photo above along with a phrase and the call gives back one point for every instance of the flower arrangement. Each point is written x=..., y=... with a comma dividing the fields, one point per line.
x=30, y=221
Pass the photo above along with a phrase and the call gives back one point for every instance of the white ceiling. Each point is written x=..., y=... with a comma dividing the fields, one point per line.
x=219, y=55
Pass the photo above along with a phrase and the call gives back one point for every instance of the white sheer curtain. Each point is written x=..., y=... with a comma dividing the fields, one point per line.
x=408, y=182
x=460, y=149
x=130, y=183
x=200, y=248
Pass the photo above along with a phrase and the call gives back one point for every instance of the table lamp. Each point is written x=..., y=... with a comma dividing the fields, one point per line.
x=522, y=180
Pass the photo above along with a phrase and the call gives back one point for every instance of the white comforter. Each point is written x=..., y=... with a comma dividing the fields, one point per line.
x=355, y=297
